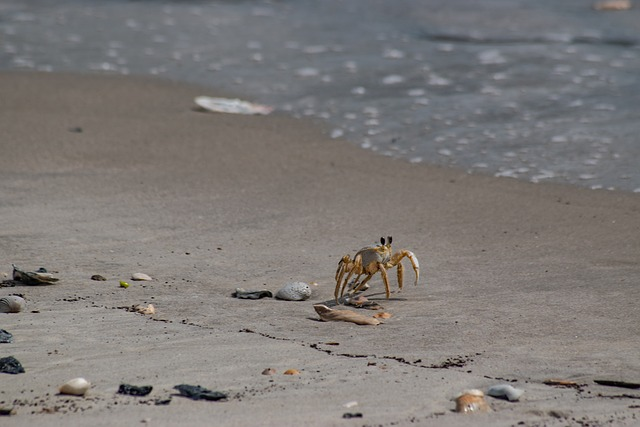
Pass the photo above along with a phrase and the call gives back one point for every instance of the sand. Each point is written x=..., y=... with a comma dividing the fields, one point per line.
x=110, y=175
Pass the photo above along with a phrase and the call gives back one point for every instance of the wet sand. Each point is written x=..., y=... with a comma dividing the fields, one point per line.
x=116, y=175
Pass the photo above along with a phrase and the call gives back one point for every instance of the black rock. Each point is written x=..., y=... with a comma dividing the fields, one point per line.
x=245, y=294
x=10, y=365
x=133, y=390
x=348, y=415
x=196, y=392
x=5, y=337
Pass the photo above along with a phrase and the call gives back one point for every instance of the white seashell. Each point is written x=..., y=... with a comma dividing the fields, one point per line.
x=294, y=291
x=505, y=391
x=140, y=276
x=12, y=304
x=233, y=106
x=76, y=387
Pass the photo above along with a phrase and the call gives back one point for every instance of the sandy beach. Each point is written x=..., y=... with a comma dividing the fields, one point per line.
x=108, y=175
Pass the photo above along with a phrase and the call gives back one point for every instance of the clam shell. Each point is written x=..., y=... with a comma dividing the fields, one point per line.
x=75, y=387
x=12, y=304
x=234, y=106
x=140, y=276
x=291, y=372
x=294, y=291
x=505, y=391
x=472, y=401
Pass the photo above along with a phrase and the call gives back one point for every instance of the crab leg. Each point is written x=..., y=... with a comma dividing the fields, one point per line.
x=361, y=284
x=343, y=265
x=397, y=257
x=385, y=278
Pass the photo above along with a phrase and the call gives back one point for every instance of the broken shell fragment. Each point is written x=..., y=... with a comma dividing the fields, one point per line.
x=382, y=315
x=12, y=304
x=294, y=291
x=472, y=401
x=505, y=391
x=148, y=310
x=233, y=106
x=140, y=277
x=613, y=5
x=269, y=371
x=39, y=277
x=242, y=293
x=291, y=372
x=327, y=314
x=75, y=387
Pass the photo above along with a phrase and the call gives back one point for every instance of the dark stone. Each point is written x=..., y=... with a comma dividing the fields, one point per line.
x=244, y=294
x=348, y=415
x=196, y=392
x=133, y=390
x=5, y=337
x=10, y=365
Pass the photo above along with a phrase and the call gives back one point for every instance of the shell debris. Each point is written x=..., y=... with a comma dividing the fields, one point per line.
x=294, y=291
x=291, y=372
x=505, y=391
x=12, y=304
x=232, y=106
x=75, y=387
x=383, y=315
x=149, y=310
x=472, y=401
x=329, y=315
x=608, y=5
x=140, y=277
x=39, y=277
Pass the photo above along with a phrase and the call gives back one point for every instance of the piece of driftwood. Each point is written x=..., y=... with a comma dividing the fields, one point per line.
x=329, y=315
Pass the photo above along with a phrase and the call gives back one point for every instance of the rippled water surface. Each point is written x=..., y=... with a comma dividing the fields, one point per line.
x=540, y=91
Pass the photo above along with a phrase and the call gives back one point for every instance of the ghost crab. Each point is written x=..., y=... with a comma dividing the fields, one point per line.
x=368, y=261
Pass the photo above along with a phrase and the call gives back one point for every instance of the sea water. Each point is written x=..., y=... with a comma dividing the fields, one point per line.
x=538, y=91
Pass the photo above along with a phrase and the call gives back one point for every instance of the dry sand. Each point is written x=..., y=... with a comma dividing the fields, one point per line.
x=117, y=175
